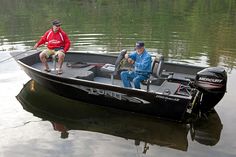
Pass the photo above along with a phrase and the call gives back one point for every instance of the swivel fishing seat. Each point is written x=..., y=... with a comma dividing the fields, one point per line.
x=155, y=77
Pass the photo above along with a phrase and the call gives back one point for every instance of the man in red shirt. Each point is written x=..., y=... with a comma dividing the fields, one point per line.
x=58, y=44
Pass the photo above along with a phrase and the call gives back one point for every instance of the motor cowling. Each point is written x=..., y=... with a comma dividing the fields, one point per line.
x=212, y=83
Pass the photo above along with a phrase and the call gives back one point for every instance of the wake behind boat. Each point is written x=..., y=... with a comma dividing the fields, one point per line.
x=174, y=91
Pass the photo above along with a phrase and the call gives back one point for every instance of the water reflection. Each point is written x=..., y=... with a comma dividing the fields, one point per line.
x=61, y=128
x=66, y=115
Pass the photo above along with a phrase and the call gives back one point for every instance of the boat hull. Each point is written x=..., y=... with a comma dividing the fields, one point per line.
x=157, y=102
x=166, y=107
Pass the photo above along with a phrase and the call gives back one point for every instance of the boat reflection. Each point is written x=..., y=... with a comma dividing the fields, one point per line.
x=66, y=114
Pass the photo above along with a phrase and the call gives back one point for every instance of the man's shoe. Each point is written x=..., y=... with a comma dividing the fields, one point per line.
x=47, y=70
x=59, y=72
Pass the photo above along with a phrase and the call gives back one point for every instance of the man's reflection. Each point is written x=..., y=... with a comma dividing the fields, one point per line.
x=61, y=128
x=145, y=147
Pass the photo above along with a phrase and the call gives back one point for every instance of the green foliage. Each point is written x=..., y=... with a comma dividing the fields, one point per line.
x=183, y=28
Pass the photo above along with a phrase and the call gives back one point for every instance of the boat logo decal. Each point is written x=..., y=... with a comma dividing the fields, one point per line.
x=210, y=80
x=167, y=98
x=112, y=94
x=95, y=91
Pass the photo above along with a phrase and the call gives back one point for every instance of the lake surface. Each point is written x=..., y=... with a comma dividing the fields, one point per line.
x=201, y=32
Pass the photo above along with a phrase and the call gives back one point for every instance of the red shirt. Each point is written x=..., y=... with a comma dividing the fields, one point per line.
x=55, y=40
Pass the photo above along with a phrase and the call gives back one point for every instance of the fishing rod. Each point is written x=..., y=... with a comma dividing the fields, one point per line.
x=16, y=55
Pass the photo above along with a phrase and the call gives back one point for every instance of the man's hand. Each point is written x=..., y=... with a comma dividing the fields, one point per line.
x=35, y=46
x=131, y=61
x=126, y=56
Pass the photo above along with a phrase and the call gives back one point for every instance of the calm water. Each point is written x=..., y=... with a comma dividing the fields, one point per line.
x=195, y=32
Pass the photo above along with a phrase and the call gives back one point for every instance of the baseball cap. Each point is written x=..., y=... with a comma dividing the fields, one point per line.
x=56, y=23
x=139, y=44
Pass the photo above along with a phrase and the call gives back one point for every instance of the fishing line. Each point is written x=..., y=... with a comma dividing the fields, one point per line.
x=15, y=55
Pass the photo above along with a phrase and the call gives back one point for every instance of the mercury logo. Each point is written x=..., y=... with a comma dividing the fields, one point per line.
x=210, y=80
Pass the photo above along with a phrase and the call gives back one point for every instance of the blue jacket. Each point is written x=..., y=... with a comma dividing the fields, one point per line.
x=142, y=62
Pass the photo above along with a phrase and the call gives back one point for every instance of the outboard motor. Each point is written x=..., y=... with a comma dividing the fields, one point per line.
x=212, y=83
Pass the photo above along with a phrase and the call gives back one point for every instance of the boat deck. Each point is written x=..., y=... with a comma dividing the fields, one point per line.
x=93, y=73
x=67, y=71
x=87, y=73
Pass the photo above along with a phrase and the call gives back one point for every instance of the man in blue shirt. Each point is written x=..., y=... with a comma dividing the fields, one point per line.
x=142, y=66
